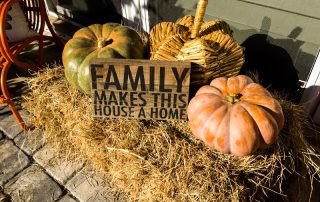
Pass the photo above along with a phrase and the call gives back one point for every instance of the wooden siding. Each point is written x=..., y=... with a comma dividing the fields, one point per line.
x=291, y=25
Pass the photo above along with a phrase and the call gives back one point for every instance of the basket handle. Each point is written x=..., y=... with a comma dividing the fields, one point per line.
x=201, y=10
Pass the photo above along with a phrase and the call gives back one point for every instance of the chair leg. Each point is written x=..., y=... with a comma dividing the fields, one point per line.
x=56, y=39
x=41, y=51
x=5, y=98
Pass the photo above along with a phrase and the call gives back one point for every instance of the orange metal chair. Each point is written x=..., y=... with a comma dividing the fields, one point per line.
x=37, y=18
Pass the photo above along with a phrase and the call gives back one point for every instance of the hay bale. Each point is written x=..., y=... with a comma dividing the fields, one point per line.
x=159, y=161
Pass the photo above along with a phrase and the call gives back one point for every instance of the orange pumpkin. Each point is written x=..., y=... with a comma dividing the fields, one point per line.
x=235, y=115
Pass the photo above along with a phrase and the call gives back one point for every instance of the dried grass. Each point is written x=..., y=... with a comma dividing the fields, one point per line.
x=159, y=161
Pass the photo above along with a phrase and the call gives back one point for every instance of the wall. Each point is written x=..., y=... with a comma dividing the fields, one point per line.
x=291, y=25
x=135, y=14
x=86, y=12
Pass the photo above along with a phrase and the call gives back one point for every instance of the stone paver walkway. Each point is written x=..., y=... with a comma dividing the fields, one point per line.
x=32, y=171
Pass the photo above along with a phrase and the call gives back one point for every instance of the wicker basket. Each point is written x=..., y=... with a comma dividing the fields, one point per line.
x=208, y=45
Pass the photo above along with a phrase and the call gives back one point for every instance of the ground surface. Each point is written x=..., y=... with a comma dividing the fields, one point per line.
x=30, y=169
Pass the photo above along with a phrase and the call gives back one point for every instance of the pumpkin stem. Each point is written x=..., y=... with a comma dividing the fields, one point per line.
x=103, y=42
x=233, y=98
x=201, y=10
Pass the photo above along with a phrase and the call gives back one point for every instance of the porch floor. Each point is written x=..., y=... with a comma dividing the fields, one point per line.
x=30, y=169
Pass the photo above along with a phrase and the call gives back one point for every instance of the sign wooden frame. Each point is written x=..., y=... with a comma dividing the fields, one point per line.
x=143, y=89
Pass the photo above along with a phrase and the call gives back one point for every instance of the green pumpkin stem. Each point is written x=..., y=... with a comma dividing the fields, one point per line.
x=103, y=42
x=233, y=98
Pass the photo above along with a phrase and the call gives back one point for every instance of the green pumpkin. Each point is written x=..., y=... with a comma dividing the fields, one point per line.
x=110, y=40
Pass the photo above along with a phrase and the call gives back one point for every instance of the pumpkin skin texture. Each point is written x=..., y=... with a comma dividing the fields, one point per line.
x=110, y=40
x=235, y=115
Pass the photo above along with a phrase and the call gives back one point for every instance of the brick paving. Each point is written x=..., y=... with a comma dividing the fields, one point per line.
x=56, y=165
x=9, y=127
x=33, y=184
x=12, y=159
x=32, y=171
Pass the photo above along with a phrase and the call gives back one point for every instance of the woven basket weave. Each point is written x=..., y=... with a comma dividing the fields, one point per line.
x=208, y=45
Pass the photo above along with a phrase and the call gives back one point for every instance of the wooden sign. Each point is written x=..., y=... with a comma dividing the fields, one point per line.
x=143, y=89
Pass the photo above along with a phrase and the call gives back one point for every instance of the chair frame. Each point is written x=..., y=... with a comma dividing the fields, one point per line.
x=37, y=18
